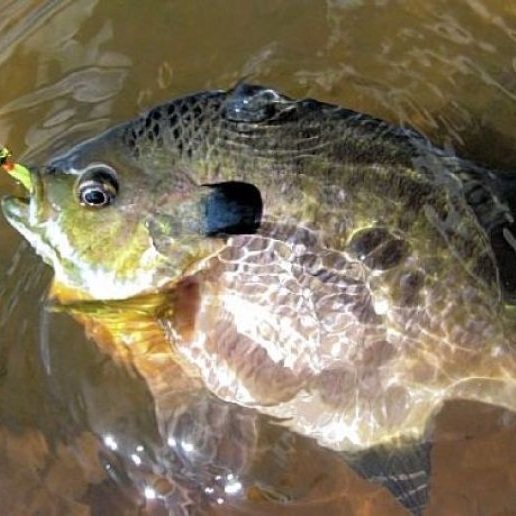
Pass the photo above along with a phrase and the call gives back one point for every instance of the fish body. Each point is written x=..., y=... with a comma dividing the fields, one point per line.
x=321, y=266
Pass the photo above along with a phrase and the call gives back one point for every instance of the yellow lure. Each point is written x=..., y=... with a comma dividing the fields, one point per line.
x=15, y=170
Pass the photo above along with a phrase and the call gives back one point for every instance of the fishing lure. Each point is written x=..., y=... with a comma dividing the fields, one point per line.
x=19, y=172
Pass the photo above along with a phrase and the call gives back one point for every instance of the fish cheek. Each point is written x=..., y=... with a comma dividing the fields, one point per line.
x=101, y=239
x=179, y=249
x=108, y=245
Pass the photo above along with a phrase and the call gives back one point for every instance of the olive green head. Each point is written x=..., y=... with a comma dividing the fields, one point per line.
x=128, y=212
x=90, y=218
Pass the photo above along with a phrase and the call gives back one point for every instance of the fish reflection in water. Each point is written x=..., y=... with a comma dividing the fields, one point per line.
x=301, y=261
x=183, y=448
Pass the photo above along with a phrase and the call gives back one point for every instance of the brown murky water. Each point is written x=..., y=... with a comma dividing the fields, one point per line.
x=77, y=431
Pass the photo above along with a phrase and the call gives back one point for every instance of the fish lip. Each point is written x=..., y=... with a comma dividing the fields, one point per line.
x=25, y=209
x=16, y=209
x=17, y=212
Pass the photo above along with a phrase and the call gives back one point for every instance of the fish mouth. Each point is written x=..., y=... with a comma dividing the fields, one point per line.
x=24, y=208
x=18, y=212
x=22, y=212
x=16, y=209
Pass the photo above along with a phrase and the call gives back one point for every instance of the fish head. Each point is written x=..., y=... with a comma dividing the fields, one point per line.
x=121, y=215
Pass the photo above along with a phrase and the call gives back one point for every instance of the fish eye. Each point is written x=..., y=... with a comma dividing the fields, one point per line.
x=97, y=187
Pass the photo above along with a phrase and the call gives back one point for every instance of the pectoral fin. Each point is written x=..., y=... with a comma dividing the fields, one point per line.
x=403, y=470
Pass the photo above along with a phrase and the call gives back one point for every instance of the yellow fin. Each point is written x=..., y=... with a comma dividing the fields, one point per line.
x=126, y=329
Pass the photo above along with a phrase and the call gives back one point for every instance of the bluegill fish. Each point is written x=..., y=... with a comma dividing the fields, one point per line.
x=315, y=264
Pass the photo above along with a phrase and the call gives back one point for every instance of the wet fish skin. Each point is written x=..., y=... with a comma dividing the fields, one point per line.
x=304, y=156
x=394, y=289
x=220, y=136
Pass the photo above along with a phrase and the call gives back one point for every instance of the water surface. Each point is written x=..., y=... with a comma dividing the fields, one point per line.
x=78, y=432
